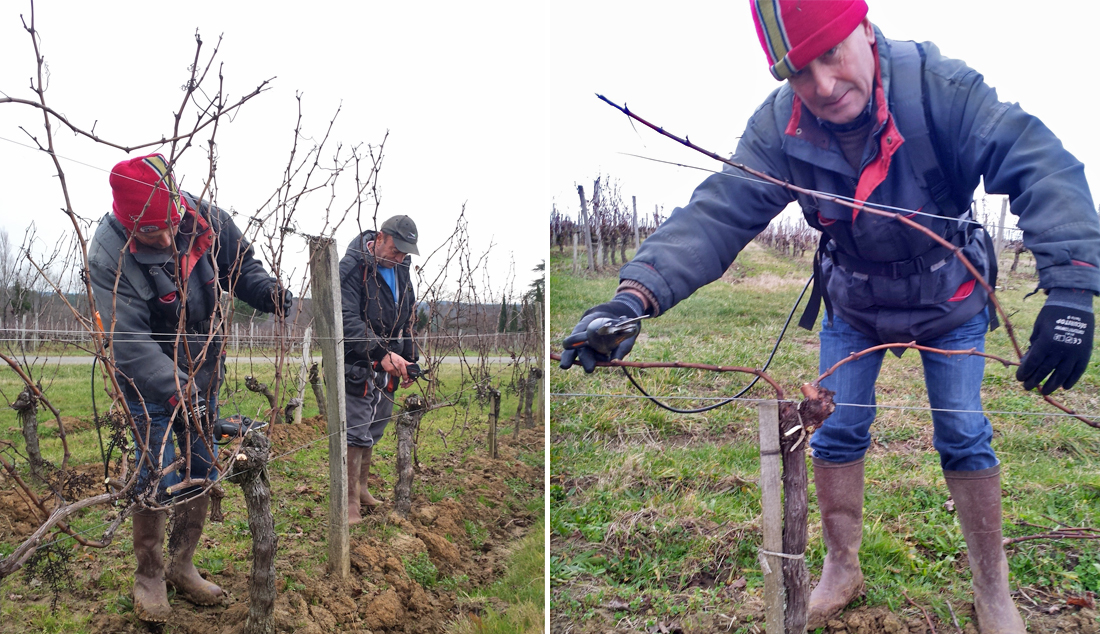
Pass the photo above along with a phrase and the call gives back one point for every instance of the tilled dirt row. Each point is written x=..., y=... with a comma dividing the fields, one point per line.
x=380, y=596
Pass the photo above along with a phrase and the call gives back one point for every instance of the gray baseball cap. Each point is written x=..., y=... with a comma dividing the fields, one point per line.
x=403, y=231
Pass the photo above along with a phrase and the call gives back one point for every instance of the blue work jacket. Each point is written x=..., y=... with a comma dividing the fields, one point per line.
x=977, y=136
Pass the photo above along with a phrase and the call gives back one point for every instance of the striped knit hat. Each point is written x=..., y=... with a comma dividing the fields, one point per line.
x=136, y=204
x=795, y=32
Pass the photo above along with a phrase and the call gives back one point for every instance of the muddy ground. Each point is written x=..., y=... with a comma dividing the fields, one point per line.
x=380, y=595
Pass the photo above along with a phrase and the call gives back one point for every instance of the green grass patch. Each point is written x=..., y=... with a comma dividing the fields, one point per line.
x=654, y=516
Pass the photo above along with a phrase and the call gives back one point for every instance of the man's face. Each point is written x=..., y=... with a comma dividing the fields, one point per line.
x=837, y=84
x=385, y=252
x=161, y=239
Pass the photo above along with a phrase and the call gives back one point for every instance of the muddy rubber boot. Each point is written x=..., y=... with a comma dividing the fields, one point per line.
x=977, y=496
x=840, y=497
x=182, y=574
x=355, y=462
x=368, y=500
x=150, y=592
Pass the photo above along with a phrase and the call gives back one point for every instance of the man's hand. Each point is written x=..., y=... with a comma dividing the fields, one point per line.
x=195, y=414
x=1061, y=342
x=394, y=365
x=623, y=305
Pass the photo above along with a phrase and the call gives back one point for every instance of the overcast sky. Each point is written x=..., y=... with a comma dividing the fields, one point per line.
x=459, y=89
x=488, y=104
x=697, y=69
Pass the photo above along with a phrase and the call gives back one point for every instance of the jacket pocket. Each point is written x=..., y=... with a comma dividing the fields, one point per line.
x=937, y=284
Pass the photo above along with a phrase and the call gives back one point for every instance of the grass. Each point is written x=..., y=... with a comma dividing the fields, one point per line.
x=520, y=591
x=655, y=515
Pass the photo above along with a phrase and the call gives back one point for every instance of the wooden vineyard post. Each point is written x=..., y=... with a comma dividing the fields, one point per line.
x=574, y=251
x=407, y=422
x=325, y=282
x=494, y=416
x=303, y=376
x=772, y=514
x=586, y=229
x=637, y=235
x=249, y=470
x=796, y=578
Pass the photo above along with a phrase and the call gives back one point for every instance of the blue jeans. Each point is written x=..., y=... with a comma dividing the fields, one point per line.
x=166, y=430
x=953, y=383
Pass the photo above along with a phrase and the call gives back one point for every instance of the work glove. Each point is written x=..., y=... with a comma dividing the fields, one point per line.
x=278, y=297
x=1061, y=341
x=197, y=416
x=623, y=305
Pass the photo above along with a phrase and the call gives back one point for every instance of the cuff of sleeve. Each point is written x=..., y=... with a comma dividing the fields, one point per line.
x=1070, y=298
x=650, y=298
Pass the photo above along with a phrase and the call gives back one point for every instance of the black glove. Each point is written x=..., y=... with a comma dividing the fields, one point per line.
x=287, y=299
x=197, y=416
x=1061, y=342
x=622, y=305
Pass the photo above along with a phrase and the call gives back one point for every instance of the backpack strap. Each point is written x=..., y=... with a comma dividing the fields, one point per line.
x=911, y=114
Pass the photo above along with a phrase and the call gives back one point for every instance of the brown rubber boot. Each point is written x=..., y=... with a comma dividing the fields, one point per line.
x=977, y=496
x=182, y=574
x=368, y=500
x=150, y=593
x=840, y=497
x=355, y=463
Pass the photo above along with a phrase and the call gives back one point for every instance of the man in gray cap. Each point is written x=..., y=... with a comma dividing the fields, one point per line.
x=378, y=303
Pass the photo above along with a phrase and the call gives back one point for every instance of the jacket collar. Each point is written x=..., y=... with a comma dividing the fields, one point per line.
x=806, y=140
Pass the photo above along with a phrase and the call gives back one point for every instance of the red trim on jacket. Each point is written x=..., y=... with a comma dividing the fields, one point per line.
x=889, y=141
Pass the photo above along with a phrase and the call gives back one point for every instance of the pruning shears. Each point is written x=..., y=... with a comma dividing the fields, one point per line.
x=604, y=334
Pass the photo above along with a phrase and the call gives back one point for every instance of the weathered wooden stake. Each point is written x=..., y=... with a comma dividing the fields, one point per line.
x=494, y=416
x=318, y=389
x=407, y=422
x=250, y=472
x=586, y=229
x=529, y=387
x=637, y=235
x=521, y=394
x=796, y=578
x=303, y=376
x=1000, y=245
x=325, y=282
x=574, y=252
x=772, y=514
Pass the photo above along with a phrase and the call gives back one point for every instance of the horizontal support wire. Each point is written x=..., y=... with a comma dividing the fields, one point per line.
x=285, y=454
x=750, y=401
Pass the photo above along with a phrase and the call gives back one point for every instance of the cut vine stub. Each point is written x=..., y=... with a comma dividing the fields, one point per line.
x=817, y=406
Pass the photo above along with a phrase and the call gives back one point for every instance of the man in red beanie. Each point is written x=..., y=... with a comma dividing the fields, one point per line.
x=894, y=124
x=159, y=264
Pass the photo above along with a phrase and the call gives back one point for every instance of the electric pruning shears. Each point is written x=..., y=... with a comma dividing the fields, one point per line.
x=604, y=334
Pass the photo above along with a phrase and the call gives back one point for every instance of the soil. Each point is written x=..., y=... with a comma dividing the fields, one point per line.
x=1055, y=617
x=380, y=596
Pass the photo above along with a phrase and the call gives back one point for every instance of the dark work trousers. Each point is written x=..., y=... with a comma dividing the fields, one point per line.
x=369, y=409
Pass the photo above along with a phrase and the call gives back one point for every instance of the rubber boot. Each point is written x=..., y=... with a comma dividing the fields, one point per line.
x=977, y=496
x=182, y=575
x=368, y=500
x=355, y=463
x=840, y=497
x=150, y=592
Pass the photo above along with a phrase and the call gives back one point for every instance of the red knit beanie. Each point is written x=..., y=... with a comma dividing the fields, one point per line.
x=146, y=198
x=795, y=32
